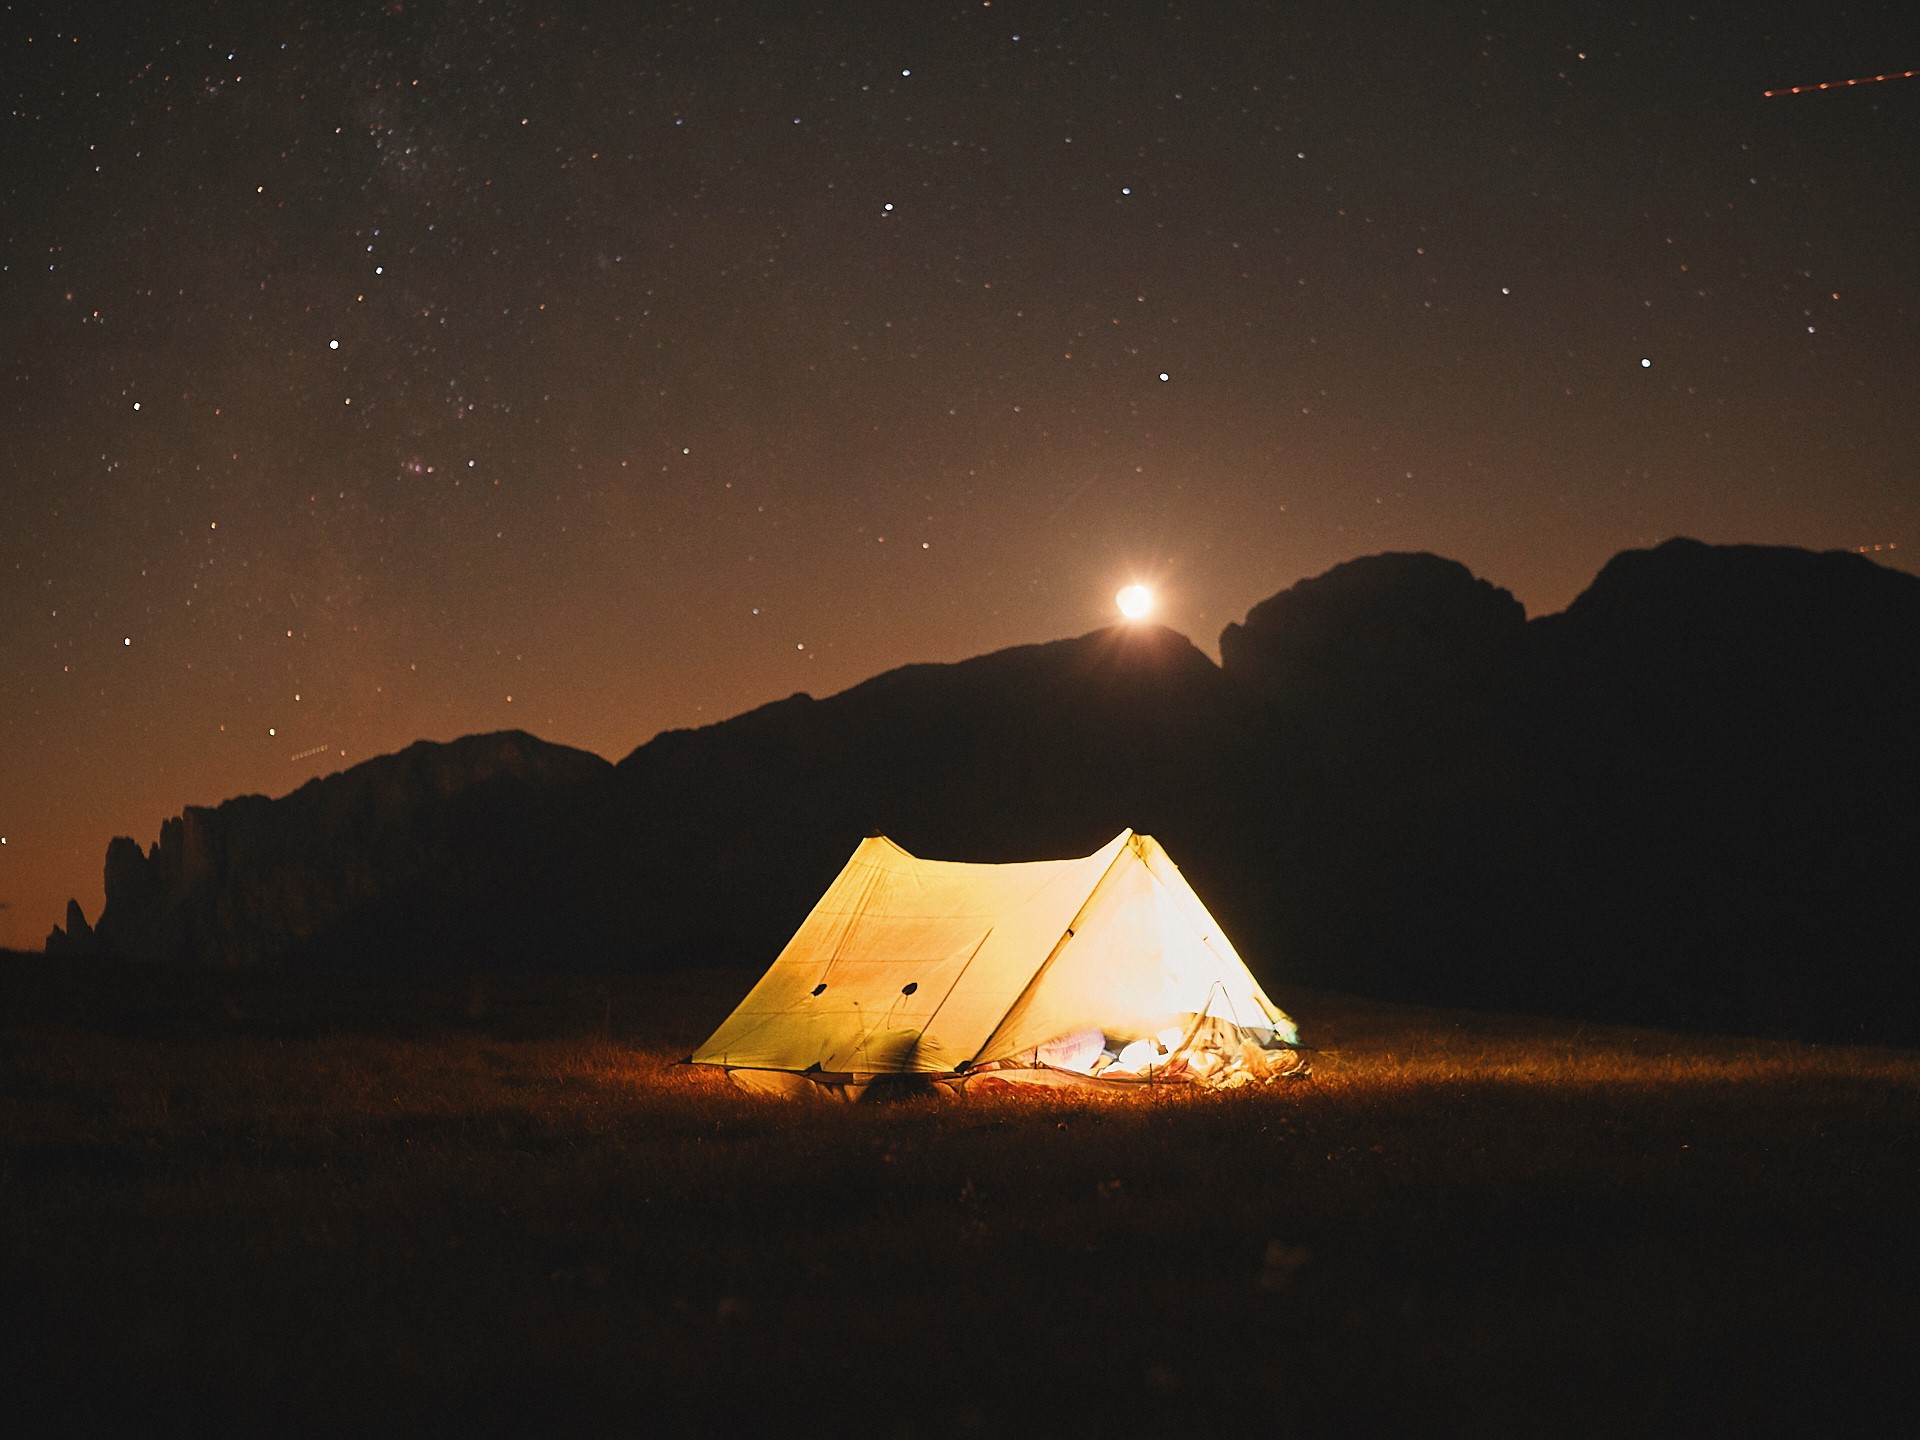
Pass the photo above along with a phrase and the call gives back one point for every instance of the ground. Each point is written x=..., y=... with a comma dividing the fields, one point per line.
x=340, y=1202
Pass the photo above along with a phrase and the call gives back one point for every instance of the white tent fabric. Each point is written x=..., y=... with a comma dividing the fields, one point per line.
x=933, y=967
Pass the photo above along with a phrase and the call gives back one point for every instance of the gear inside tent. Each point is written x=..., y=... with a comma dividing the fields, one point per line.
x=1105, y=970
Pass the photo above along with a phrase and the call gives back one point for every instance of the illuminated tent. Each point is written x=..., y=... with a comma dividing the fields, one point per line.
x=1106, y=969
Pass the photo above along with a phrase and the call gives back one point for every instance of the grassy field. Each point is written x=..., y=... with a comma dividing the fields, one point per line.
x=338, y=1203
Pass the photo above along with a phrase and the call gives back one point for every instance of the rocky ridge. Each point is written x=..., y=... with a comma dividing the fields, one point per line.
x=1689, y=797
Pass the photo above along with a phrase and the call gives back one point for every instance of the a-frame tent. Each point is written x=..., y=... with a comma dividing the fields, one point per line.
x=1106, y=968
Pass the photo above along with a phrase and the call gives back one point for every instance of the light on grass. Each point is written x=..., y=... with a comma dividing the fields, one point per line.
x=1135, y=602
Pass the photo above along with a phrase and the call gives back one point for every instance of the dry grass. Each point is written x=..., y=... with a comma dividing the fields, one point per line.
x=340, y=1203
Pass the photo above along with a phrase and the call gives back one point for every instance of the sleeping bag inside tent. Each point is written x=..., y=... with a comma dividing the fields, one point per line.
x=1098, y=971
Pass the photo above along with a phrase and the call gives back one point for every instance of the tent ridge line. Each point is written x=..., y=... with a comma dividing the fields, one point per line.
x=1059, y=945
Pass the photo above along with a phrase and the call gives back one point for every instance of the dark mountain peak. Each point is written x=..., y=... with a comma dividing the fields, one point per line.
x=1115, y=653
x=1414, y=613
x=77, y=936
x=1032, y=751
x=1130, y=662
x=1691, y=583
x=413, y=833
x=1740, y=625
x=449, y=766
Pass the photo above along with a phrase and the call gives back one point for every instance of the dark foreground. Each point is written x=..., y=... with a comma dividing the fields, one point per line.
x=500, y=1208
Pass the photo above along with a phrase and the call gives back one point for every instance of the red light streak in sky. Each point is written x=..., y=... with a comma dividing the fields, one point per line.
x=1840, y=84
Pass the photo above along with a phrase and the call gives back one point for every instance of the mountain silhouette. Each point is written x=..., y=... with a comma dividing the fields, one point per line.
x=440, y=849
x=1689, y=798
x=1727, y=776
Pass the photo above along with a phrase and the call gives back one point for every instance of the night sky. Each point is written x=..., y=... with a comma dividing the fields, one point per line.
x=410, y=370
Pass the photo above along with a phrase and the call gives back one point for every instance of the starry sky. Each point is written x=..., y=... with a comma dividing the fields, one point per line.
x=385, y=371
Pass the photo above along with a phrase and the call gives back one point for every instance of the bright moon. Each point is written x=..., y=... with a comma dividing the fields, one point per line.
x=1134, y=601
